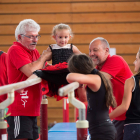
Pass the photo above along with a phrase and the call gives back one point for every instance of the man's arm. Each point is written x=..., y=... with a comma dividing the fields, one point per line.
x=28, y=69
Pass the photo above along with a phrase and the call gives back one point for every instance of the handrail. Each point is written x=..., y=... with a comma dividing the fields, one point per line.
x=81, y=124
x=8, y=101
x=9, y=89
x=68, y=88
x=20, y=85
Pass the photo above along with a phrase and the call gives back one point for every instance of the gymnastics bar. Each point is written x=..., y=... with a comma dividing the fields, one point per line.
x=82, y=123
x=65, y=109
x=10, y=90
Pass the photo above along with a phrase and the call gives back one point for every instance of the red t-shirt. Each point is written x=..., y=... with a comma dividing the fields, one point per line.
x=27, y=103
x=3, y=74
x=117, y=67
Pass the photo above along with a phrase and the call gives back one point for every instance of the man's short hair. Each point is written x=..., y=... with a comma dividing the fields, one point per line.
x=104, y=41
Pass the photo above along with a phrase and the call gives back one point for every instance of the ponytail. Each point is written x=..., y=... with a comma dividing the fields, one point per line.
x=110, y=99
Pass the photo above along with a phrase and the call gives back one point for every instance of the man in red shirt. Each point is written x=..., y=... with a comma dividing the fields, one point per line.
x=22, y=60
x=3, y=73
x=116, y=69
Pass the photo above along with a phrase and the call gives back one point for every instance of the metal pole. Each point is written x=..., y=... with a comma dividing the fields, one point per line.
x=65, y=109
x=3, y=123
x=44, y=119
x=82, y=123
x=3, y=126
x=82, y=126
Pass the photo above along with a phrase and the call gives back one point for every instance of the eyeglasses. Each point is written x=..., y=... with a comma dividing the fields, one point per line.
x=31, y=37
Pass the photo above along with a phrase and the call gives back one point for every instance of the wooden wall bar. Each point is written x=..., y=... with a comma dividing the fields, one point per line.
x=61, y=1
x=116, y=20
x=72, y=18
x=81, y=39
x=82, y=28
x=70, y=7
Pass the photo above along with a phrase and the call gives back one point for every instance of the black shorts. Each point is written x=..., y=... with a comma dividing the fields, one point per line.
x=22, y=127
x=103, y=131
x=119, y=125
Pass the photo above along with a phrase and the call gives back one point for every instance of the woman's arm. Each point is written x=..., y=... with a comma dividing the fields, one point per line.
x=128, y=87
x=92, y=81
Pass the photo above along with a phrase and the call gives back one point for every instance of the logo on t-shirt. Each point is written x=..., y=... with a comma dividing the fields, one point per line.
x=24, y=97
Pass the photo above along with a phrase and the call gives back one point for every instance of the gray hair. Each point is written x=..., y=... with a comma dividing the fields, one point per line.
x=104, y=41
x=60, y=27
x=26, y=25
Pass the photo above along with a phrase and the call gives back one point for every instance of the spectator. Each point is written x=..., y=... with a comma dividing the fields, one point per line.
x=131, y=104
x=22, y=59
x=114, y=68
x=3, y=73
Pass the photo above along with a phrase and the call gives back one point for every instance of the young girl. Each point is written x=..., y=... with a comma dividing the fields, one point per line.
x=131, y=104
x=55, y=76
x=99, y=96
x=61, y=51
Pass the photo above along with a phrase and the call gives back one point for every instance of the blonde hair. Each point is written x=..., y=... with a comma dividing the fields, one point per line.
x=139, y=53
x=60, y=27
x=138, y=73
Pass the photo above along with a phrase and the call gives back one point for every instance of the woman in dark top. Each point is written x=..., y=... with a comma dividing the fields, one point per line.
x=98, y=92
x=131, y=104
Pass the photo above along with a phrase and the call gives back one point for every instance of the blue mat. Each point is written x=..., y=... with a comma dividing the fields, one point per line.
x=62, y=136
x=64, y=127
x=63, y=131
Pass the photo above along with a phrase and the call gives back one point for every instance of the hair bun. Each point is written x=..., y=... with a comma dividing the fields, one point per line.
x=94, y=71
